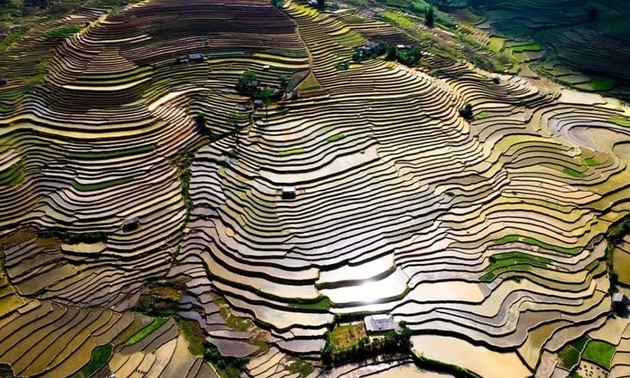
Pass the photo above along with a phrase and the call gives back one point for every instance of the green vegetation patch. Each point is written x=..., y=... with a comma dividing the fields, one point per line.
x=234, y=322
x=14, y=175
x=353, y=19
x=345, y=336
x=602, y=84
x=530, y=47
x=591, y=162
x=194, y=335
x=335, y=137
x=101, y=185
x=482, y=115
x=10, y=39
x=572, y=172
x=397, y=19
x=111, y=154
x=298, y=366
x=620, y=121
x=294, y=151
x=512, y=262
x=146, y=331
x=322, y=304
x=599, y=352
x=100, y=356
x=529, y=240
x=568, y=357
x=63, y=31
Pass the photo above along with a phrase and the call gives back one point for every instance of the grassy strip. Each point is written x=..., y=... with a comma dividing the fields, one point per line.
x=62, y=31
x=294, y=151
x=591, y=162
x=396, y=19
x=512, y=262
x=194, y=336
x=442, y=367
x=101, y=185
x=620, y=121
x=322, y=304
x=482, y=115
x=573, y=172
x=334, y=138
x=529, y=240
x=14, y=175
x=100, y=356
x=146, y=331
x=599, y=352
x=111, y=154
x=602, y=84
x=234, y=322
x=530, y=47
x=298, y=366
x=10, y=39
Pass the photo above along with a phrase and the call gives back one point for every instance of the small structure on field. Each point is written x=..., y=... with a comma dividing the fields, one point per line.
x=288, y=192
x=3, y=81
x=620, y=303
x=196, y=58
x=190, y=58
x=379, y=323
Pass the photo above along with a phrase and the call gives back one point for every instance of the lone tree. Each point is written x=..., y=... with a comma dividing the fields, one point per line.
x=265, y=95
x=429, y=19
x=593, y=12
x=200, y=121
x=284, y=83
x=466, y=112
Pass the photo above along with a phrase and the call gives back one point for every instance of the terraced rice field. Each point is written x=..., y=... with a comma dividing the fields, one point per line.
x=584, y=42
x=485, y=236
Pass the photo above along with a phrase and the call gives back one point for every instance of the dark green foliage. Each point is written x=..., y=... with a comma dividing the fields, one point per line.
x=100, y=356
x=63, y=31
x=442, y=367
x=392, y=342
x=569, y=357
x=182, y=162
x=429, y=19
x=466, y=112
x=321, y=4
x=409, y=57
x=200, y=120
x=228, y=367
x=391, y=52
x=593, y=12
x=246, y=83
x=5, y=371
x=72, y=237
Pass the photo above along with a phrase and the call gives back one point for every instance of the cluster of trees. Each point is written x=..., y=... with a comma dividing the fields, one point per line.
x=249, y=85
x=408, y=56
x=391, y=343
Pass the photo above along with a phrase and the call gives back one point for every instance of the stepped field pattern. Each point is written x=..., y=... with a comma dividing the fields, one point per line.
x=485, y=236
